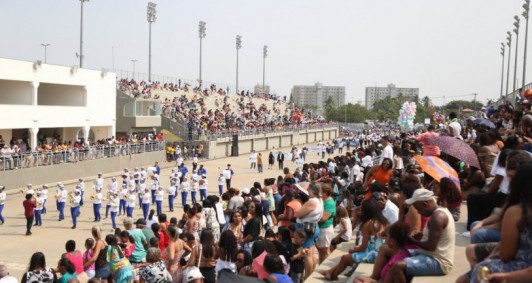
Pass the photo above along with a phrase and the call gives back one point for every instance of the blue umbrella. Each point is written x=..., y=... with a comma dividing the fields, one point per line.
x=485, y=122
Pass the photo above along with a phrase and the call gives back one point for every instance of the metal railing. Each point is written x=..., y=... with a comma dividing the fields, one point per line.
x=73, y=155
x=225, y=133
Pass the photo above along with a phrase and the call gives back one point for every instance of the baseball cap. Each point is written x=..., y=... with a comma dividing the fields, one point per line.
x=140, y=221
x=245, y=191
x=421, y=195
x=193, y=274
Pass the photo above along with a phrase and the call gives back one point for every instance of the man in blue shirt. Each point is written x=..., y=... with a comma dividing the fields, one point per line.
x=201, y=170
x=157, y=168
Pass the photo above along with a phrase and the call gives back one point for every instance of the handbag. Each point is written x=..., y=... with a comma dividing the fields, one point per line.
x=309, y=228
x=194, y=268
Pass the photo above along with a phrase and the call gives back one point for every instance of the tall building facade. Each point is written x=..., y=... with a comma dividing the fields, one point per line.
x=313, y=97
x=373, y=94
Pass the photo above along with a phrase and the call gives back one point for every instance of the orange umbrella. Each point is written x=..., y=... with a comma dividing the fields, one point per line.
x=437, y=168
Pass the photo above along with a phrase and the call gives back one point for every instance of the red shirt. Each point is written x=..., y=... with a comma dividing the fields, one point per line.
x=29, y=205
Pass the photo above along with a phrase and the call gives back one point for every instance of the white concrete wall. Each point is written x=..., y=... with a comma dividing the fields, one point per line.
x=100, y=97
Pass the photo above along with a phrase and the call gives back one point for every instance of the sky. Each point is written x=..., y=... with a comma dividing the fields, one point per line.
x=445, y=48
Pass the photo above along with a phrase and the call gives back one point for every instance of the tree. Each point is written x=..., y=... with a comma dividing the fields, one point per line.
x=427, y=103
x=456, y=105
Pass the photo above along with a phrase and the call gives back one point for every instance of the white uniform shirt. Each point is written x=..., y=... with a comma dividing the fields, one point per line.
x=204, y=185
x=123, y=193
x=142, y=187
x=63, y=194
x=154, y=184
x=194, y=159
x=112, y=187
x=81, y=186
x=40, y=203
x=185, y=186
x=98, y=183
x=159, y=195
x=3, y=197
x=146, y=198
x=221, y=181
x=44, y=193
x=194, y=187
x=115, y=203
x=171, y=190
x=195, y=177
x=131, y=200
x=97, y=198
x=75, y=201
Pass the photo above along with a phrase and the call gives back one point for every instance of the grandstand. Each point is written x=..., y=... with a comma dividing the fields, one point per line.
x=213, y=113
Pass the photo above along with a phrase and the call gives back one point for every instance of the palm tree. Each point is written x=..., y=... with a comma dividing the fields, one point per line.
x=426, y=102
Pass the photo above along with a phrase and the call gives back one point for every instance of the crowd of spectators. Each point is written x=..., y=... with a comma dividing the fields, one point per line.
x=18, y=154
x=231, y=113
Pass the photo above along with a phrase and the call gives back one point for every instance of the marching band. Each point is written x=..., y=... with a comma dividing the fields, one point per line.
x=118, y=200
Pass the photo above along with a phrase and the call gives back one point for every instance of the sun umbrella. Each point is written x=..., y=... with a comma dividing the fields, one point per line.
x=456, y=148
x=485, y=122
x=437, y=168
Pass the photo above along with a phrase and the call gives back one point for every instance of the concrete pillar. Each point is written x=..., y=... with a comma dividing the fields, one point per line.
x=33, y=136
x=34, y=90
x=86, y=130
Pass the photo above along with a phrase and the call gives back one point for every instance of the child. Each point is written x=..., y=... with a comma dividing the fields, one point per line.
x=89, y=270
x=127, y=243
x=221, y=183
x=274, y=266
x=297, y=254
x=344, y=224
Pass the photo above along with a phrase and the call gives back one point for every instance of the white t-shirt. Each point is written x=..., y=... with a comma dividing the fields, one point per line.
x=457, y=128
x=390, y=212
x=387, y=152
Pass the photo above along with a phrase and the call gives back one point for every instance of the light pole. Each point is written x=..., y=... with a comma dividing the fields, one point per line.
x=152, y=16
x=502, y=72
x=509, y=44
x=525, y=15
x=81, y=35
x=202, y=34
x=238, y=46
x=516, y=31
x=134, y=61
x=45, y=45
x=264, y=55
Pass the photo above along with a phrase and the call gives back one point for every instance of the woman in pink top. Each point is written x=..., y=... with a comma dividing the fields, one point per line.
x=75, y=256
x=428, y=148
x=396, y=238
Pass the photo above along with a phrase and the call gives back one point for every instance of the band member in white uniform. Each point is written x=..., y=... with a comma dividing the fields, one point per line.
x=130, y=202
x=145, y=200
x=194, y=162
x=112, y=188
x=123, y=196
x=30, y=190
x=97, y=205
x=44, y=194
x=74, y=207
x=61, y=201
x=81, y=187
x=203, y=182
x=115, y=203
x=159, y=196
x=193, y=190
x=154, y=186
x=98, y=183
x=171, y=194
x=141, y=189
x=38, y=210
x=57, y=193
x=184, y=187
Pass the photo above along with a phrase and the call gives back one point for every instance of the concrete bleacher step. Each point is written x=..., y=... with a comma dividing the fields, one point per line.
x=461, y=264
